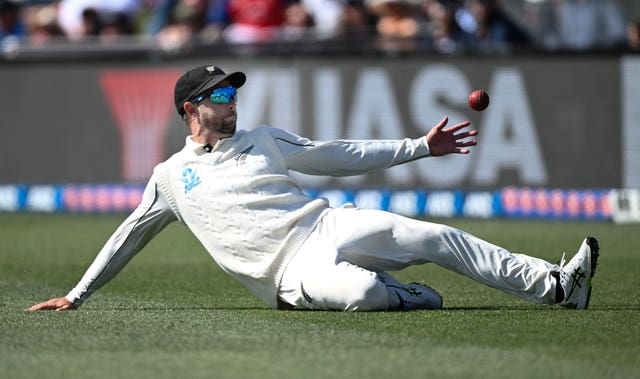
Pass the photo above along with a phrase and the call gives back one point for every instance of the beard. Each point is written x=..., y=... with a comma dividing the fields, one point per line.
x=227, y=126
x=222, y=125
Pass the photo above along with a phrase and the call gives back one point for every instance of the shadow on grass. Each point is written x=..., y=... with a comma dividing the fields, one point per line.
x=301, y=310
x=497, y=308
x=160, y=308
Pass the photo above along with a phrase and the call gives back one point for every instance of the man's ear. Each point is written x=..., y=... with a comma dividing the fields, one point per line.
x=189, y=108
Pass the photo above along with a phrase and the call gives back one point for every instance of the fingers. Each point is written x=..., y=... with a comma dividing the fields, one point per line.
x=47, y=305
x=460, y=136
x=459, y=126
x=443, y=141
x=59, y=304
x=38, y=307
x=440, y=126
x=470, y=133
x=466, y=143
x=66, y=307
x=442, y=123
x=460, y=146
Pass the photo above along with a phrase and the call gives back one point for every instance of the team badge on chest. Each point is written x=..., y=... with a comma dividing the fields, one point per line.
x=190, y=179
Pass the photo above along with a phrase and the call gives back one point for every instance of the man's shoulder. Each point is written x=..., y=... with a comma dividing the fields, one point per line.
x=259, y=133
x=260, y=129
x=176, y=157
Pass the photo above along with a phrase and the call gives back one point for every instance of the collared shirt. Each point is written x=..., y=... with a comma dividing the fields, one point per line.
x=238, y=199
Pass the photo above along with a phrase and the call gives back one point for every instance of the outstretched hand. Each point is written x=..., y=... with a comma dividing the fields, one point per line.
x=59, y=304
x=443, y=142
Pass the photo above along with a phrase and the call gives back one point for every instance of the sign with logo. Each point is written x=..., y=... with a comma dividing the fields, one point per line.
x=547, y=125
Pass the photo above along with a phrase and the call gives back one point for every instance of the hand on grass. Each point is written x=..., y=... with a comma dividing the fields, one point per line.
x=443, y=142
x=59, y=304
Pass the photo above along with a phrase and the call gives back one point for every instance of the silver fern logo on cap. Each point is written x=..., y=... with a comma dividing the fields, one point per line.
x=211, y=69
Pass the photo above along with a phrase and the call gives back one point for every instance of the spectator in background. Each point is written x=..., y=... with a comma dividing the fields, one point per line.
x=443, y=32
x=254, y=21
x=633, y=35
x=297, y=23
x=71, y=13
x=104, y=25
x=11, y=25
x=398, y=24
x=327, y=16
x=217, y=19
x=489, y=28
x=537, y=18
x=586, y=24
x=115, y=25
x=187, y=20
x=91, y=24
x=43, y=27
x=159, y=15
x=356, y=22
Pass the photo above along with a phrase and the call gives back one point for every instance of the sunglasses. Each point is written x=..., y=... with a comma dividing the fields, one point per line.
x=221, y=95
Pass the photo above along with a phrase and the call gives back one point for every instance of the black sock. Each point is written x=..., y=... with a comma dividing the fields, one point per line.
x=559, y=290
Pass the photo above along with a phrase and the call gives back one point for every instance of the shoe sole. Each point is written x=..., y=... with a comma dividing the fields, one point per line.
x=594, y=254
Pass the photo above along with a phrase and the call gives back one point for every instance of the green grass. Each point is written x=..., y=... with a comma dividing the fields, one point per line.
x=173, y=313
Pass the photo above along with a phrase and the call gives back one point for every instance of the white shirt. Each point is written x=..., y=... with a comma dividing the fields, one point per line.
x=240, y=202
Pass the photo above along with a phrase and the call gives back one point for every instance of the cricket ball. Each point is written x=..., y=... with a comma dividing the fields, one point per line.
x=479, y=100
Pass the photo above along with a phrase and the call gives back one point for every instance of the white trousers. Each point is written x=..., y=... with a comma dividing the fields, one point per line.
x=336, y=267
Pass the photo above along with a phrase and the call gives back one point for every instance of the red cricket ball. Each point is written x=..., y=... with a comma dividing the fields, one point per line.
x=479, y=100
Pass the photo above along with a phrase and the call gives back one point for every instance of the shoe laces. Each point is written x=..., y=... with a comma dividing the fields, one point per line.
x=562, y=260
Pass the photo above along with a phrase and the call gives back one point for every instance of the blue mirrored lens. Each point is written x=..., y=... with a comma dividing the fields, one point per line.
x=223, y=95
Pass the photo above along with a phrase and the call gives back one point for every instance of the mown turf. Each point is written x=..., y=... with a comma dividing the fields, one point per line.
x=173, y=313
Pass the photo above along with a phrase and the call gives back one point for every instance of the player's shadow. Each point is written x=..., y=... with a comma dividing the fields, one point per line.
x=213, y=308
x=495, y=308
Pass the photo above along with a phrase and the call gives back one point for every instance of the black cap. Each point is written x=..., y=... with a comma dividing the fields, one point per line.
x=198, y=80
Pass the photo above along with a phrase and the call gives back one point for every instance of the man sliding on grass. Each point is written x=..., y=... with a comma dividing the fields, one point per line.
x=232, y=189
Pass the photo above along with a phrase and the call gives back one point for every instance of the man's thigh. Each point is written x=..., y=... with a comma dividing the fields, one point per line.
x=316, y=279
x=378, y=240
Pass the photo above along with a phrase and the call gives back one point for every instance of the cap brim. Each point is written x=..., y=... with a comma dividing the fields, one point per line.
x=236, y=79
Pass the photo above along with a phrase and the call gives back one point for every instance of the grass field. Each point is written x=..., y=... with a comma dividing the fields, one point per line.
x=173, y=313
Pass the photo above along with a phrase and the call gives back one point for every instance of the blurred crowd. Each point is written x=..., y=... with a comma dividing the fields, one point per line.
x=442, y=25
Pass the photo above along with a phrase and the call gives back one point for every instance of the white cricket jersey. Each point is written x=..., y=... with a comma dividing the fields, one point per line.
x=240, y=202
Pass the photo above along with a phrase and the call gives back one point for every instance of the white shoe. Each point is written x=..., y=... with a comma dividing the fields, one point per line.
x=413, y=295
x=575, y=276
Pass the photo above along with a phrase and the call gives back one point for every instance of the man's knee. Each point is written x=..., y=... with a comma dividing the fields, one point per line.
x=370, y=295
x=357, y=293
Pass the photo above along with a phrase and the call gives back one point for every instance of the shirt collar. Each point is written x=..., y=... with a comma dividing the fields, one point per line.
x=196, y=147
x=199, y=148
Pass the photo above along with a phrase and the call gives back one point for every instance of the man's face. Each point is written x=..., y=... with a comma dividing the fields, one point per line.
x=220, y=118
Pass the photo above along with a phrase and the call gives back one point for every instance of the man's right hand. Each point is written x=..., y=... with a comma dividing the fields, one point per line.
x=448, y=141
x=58, y=304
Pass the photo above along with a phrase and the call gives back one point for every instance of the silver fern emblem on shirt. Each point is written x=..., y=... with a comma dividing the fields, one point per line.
x=190, y=179
x=241, y=157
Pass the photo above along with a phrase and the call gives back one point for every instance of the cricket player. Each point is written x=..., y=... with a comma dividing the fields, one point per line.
x=232, y=189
